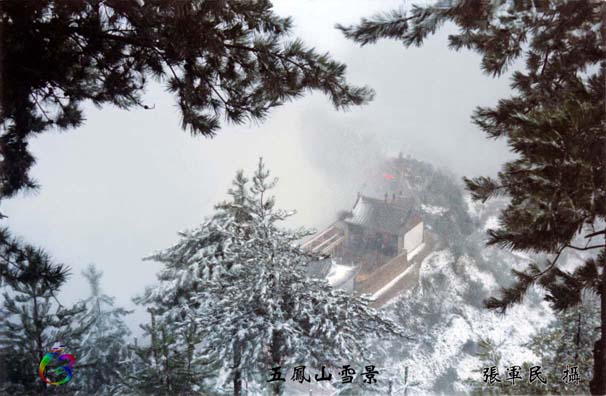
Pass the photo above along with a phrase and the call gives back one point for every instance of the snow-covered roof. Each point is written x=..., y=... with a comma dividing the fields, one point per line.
x=340, y=274
x=386, y=216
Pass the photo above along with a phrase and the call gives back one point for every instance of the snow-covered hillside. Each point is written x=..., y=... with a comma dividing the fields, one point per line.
x=445, y=313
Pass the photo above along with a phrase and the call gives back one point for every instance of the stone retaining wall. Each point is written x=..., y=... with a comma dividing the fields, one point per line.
x=374, y=281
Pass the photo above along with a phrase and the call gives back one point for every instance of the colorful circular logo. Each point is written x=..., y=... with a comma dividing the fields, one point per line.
x=64, y=370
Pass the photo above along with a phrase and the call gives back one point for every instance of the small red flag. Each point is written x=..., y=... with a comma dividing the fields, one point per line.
x=388, y=176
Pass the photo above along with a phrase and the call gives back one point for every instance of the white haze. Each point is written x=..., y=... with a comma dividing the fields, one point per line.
x=123, y=185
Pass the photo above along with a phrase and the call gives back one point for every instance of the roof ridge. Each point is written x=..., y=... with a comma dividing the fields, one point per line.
x=382, y=201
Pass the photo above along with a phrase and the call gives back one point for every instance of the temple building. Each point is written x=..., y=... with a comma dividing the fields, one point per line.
x=381, y=228
x=372, y=247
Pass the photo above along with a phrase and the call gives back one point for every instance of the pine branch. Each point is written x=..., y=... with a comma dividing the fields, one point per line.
x=595, y=233
x=586, y=247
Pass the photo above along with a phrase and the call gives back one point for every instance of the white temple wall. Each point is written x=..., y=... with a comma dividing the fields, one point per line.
x=413, y=238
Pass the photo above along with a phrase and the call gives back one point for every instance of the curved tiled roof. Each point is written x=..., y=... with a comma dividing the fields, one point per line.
x=390, y=217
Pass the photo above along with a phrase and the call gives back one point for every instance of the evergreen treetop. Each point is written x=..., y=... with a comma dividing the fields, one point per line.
x=32, y=318
x=243, y=280
x=103, y=345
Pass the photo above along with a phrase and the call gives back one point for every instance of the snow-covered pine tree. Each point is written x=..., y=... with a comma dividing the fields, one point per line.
x=554, y=122
x=490, y=357
x=103, y=342
x=568, y=342
x=171, y=362
x=243, y=279
x=34, y=320
x=166, y=365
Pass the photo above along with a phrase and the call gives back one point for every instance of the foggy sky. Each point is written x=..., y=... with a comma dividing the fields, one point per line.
x=120, y=187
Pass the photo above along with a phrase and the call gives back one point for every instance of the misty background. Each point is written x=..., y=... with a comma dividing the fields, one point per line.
x=120, y=187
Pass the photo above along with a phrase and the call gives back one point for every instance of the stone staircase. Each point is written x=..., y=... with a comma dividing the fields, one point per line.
x=325, y=242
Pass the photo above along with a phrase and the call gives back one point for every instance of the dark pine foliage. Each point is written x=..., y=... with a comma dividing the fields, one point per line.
x=554, y=122
x=230, y=59
x=31, y=318
x=221, y=59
